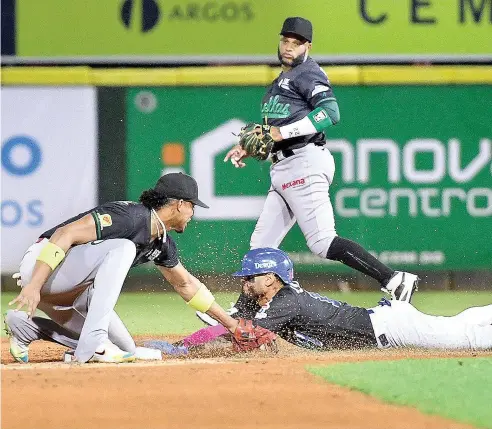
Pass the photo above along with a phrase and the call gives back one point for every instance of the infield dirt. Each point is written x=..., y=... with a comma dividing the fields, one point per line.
x=247, y=391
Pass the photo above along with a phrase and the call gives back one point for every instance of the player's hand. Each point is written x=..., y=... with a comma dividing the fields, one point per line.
x=236, y=155
x=29, y=297
x=275, y=133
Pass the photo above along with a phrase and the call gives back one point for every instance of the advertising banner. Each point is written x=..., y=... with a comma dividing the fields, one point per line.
x=49, y=163
x=413, y=181
x=249, y=28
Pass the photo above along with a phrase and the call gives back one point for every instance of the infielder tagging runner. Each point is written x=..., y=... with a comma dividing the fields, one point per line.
x=309, y=320
x=298, y=107
x=75, y=271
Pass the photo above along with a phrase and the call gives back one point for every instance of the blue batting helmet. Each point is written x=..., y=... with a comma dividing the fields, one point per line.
x=267, y=260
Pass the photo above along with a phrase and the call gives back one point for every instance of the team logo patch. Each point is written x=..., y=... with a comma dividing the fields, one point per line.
x=284, y=83
x=105, y=220
x=320, y=116
x=296, y=182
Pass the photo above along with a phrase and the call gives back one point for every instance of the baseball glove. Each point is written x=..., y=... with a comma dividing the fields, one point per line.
x=256, y=140
x=248, y=337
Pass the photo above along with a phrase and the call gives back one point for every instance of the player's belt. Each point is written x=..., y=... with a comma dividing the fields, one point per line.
x=286, y=153
x=281, y=155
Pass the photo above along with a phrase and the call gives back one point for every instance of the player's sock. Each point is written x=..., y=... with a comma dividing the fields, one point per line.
x=355, y=256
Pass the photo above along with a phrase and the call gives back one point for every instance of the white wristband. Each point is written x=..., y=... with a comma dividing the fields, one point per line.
x=303, y=127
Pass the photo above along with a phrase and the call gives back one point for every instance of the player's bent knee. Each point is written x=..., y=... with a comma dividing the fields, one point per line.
x=125, y=248
x=320, y=246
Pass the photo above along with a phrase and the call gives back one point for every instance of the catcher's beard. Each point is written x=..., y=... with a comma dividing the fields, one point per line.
x=295, y=62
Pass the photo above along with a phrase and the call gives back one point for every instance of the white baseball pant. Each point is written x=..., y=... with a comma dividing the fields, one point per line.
x=402, y=325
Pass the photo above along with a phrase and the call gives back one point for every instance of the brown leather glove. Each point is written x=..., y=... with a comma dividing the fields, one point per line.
x=248, y=337
x=256, y=140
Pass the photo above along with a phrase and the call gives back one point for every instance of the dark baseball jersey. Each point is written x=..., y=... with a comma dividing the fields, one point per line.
x=293, y=95
x=130, y=220
x=310, y=320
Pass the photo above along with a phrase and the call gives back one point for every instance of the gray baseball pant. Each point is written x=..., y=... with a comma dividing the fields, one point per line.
x=299, y=192
x=79, y=297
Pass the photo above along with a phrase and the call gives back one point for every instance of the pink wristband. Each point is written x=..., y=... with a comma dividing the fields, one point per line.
x=204, y=335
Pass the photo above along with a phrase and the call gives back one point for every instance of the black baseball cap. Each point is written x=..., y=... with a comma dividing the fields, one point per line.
x=299, y=27
x=179, y=186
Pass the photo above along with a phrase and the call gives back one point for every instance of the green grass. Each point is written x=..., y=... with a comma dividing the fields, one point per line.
x=458, y=389
x=165, y=313
x=155, y=313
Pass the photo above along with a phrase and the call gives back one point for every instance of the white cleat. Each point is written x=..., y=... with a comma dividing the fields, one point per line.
x=110, y=353
x=145, y=353
x=105, y=353
x=210, y=321
x=401, y=286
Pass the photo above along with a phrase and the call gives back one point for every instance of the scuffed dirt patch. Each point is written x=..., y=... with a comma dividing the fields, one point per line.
x=255, y=390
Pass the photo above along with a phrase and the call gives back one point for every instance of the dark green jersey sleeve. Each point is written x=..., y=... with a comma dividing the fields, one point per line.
x=314, y=86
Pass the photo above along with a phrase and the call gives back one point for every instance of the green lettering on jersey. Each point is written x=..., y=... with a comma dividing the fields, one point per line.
x=274, y=109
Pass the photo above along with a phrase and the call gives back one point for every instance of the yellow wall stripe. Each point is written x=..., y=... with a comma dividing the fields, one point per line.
x=46, y=76
x=133, y=77
x=441, y=75
x=241, y=75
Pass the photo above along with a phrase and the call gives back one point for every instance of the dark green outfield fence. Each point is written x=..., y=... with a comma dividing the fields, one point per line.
x=413, y=155
x=413, y=181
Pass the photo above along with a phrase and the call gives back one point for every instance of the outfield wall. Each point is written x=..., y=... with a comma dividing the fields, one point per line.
x=49, y=162
x=225, y=31
x=413, y=153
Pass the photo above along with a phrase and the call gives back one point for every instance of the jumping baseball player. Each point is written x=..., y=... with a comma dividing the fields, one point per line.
x=297, y=109
x=316, y=322
x=74, y=273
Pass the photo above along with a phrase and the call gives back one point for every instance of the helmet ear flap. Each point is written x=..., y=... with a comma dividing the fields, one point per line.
x=291, y=274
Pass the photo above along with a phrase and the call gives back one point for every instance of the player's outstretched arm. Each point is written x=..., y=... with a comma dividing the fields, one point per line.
x=197, y=295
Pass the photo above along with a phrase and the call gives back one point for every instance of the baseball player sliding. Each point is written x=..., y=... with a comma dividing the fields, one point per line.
x=74, y=273
x=297, y=109
x=309, y=320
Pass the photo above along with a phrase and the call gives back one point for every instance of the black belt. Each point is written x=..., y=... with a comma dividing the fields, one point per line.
x=286, y=153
